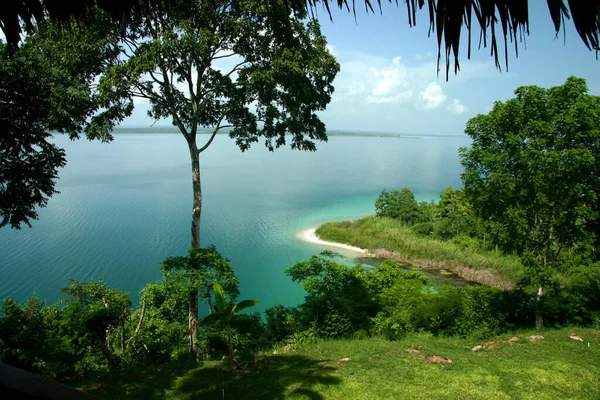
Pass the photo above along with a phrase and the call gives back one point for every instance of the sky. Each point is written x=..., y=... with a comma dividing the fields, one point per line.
x=388, y=80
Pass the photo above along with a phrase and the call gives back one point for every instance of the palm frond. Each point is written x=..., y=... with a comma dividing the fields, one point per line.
x=505, y=20
x=500, y=19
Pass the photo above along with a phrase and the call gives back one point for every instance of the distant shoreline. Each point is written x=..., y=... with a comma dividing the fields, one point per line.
x=310, y=236
x=332, y=133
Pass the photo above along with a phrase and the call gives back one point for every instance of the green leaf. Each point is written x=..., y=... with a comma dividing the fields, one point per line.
x=244, y=304
x=211, y=319
x=220, y=297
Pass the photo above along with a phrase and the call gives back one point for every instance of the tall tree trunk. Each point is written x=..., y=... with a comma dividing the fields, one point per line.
x=230, y=346
x=539, y=315
x=197, y=189
x=196, y=212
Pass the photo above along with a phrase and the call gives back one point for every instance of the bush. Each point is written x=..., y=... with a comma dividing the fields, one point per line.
x=249, y=335
x=27, y=336
x=338, y=300
x=398, y=204
x=279, y=323
x=423, y=228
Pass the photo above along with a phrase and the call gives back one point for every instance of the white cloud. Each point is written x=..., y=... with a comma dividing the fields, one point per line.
x=369, y=80
x=385, y=84
x=420, y=56
x=332, y=49
x=397, y=98
x=356, y=88
x=457, y=107
x=432, y=96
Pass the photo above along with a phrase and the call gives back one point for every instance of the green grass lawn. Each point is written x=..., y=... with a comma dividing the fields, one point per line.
x=556, y=367
x=468, y=260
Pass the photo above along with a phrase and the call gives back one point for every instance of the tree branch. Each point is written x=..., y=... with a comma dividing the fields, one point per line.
x=236, y=68
x=212, y=137
x=139, y=325
x=225, y=56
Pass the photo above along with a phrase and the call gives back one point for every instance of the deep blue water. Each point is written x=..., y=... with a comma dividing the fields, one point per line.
x=125, y=206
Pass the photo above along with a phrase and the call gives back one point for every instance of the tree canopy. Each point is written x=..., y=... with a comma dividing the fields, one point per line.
x=533, y=171
x=502, y=20
x=48, y=84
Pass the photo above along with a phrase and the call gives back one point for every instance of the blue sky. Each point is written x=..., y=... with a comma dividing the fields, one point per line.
x=388, y=80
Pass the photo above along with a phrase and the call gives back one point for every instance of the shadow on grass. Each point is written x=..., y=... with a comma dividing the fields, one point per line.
x=275, y=377
x=144, y=382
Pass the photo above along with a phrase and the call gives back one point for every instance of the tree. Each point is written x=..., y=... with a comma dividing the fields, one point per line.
x=201, y=270
x=456, y=214
x=533, y=169
x=398, y=204
x=281, y=75
x=48, y=85
x=225, y=311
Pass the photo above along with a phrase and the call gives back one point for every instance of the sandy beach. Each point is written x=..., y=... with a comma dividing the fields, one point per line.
x=310, y=236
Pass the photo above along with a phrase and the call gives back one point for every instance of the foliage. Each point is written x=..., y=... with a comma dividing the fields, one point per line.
x=225, y=311
x=201, y=269
x=337, y=302
x=161, y=336
x=248, y=336
x=375, y=233
x=280, y=323
x=282, y=65
x=456, y=216
x=400, y=205
x=94, y=318
x=453, y=216
x=400, y=301
x=28, y=336
x=47, y=85
x=533, y=167
x=533, y=171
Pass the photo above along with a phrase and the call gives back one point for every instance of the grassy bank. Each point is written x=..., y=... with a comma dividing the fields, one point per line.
x=388, y=238
x=417, y=367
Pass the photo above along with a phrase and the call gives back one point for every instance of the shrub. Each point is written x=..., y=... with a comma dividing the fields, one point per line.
x=280, y=324
x=398, y=204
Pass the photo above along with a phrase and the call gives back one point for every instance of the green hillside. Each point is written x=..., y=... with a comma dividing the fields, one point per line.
x=417, y=367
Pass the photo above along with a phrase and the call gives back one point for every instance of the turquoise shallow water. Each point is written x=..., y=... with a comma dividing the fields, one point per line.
x=125, y=206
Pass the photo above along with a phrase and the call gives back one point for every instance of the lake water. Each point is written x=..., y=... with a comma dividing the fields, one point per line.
x=125, y=206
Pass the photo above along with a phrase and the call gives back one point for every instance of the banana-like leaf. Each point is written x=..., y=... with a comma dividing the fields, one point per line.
x=220, y=297
x=211, y=319
x=244, y=304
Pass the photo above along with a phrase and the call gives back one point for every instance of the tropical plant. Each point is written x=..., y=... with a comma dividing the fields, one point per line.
x=201, y=268
x=225, y=311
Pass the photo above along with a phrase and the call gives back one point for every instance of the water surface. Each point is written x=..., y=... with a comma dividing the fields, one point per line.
x=125, y=206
